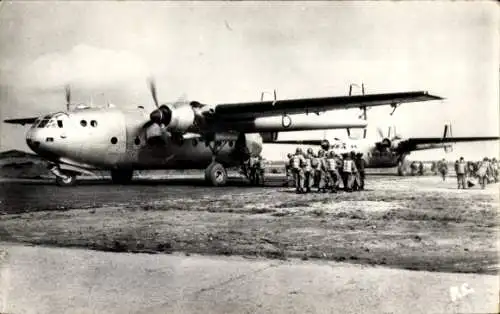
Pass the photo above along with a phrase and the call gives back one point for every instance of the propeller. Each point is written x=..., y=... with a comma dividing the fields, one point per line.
x=161, y=115
x=387, y=141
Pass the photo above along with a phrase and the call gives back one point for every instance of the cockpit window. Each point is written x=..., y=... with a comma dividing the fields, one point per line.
x=51, y=124
x=50, y=121
x=44, y=122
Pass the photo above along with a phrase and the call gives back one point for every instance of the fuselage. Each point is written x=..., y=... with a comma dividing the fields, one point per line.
x=112, y=139
x=373, y=156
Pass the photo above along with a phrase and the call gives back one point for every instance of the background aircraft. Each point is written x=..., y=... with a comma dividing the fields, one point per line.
x=181, y=135
x=389, y=150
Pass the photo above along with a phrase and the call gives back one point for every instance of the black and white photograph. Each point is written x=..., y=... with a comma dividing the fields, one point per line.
x=249, y=157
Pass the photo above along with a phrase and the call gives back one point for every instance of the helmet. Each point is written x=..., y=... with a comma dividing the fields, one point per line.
x=310, y=150
x=298, y=150
x=289, y=155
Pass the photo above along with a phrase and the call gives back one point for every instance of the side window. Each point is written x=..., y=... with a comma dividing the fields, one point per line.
x=59, y=123
x=83, y=123
x=93, y=123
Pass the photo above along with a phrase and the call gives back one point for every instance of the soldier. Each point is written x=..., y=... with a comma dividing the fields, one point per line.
x=460, y=169
x=316, y=166
x=251, y=169
x=360, y=165
x=333, y=174
x=482, y=172
x=308, y=170
x=349, y=170
x=339, y=161
x=443, y=169
x=434, y=168
x=343, y=174
x=298, y=174
x=494, y=165
x=259, y=171
x=420, y=168
x=323, y=168
x=491, y=171
x=288, y=169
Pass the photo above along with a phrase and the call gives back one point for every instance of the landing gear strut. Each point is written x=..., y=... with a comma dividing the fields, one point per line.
x=122, y=176
x=401, y=168
x=63, y=178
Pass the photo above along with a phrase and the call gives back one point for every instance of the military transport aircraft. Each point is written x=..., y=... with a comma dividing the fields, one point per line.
x=183, y=134
x=388, y=151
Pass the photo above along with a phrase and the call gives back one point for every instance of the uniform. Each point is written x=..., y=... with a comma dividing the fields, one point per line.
x=298, y=161
x=323, y=166
x=360, y=165
x=333, y=174
x=308, y=172
x=349, y=169
x=316, y=166
x=494, y=165
x=443, y=169
x=461, y=169
x=288, y=169
x=482, y=172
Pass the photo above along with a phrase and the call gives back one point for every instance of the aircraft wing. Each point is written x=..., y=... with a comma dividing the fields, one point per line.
x=246, y=110
x=298, y=142
x=421, y=143
x=21, y=121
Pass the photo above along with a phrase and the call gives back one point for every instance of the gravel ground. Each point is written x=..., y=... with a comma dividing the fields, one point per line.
x=413, y=222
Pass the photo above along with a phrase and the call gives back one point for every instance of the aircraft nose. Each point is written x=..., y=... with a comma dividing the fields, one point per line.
x=34, y=145
x=33, y=140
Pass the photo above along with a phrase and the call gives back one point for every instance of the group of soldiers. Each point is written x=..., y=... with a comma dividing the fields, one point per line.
x=417, y=168
x=255, y=170
x=485, y=172
x=325, y=171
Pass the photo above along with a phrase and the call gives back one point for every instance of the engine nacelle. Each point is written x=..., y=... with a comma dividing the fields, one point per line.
x=182, y=118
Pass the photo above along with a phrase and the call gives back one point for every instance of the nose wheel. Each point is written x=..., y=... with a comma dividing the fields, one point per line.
x=66, y=179
x=216, y=174
x=63, y=177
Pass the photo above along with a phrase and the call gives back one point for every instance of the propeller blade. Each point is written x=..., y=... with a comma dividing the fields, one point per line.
x=152, y=88
x=380, y=133
x=67, y=90
x=389, y=132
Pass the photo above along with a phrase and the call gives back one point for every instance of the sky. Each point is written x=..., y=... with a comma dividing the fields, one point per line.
x=231, y=52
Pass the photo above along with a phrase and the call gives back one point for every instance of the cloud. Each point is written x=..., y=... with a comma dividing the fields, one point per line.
x=84, y=66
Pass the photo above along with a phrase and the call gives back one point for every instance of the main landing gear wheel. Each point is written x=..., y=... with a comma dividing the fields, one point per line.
x=216, y=174
x=69, y=179
x=121, y=176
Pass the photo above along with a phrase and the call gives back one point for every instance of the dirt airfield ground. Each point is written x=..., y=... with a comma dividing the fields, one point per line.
x=416, y=223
